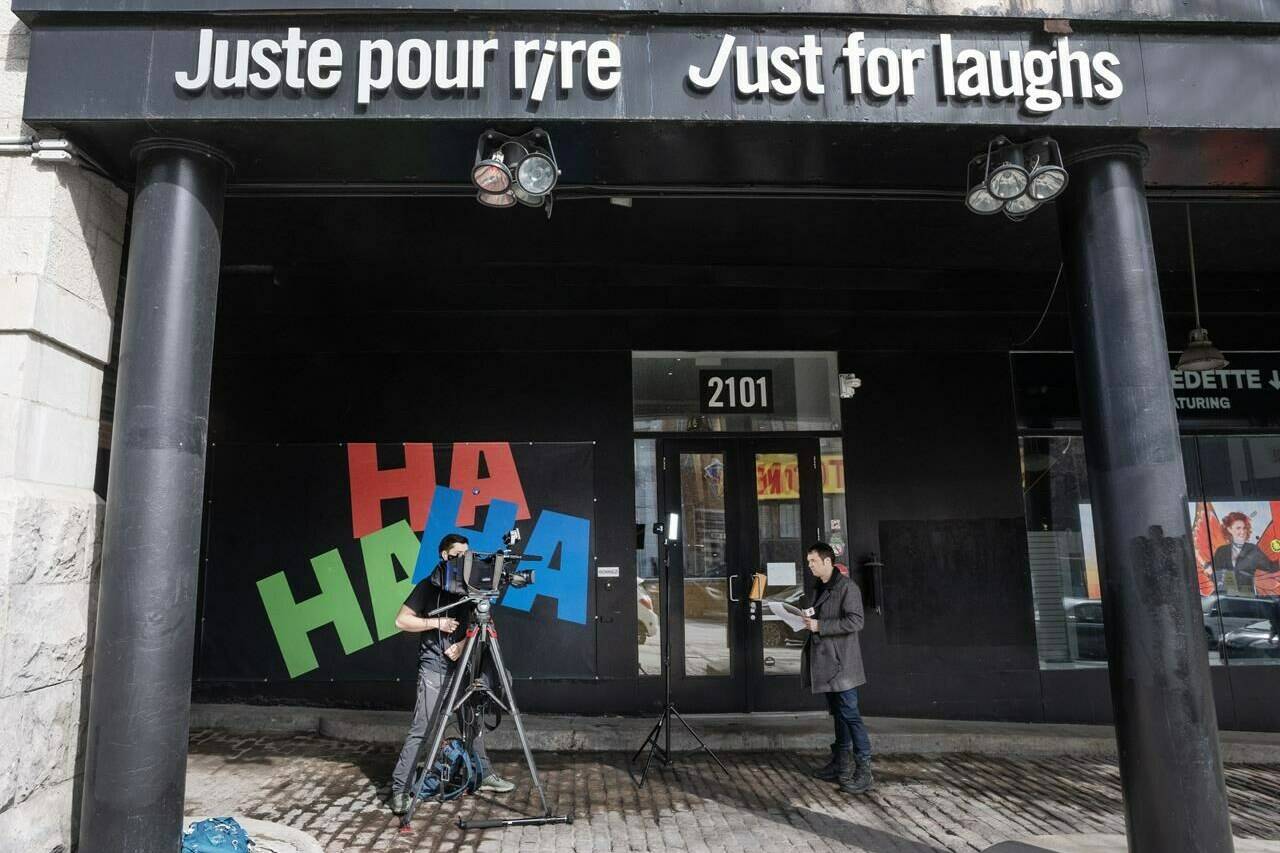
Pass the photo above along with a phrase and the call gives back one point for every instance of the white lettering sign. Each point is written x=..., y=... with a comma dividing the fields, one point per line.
x=413, y=65
x=1041, y=81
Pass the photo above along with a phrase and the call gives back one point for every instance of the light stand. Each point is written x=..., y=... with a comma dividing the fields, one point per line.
x=662, y=728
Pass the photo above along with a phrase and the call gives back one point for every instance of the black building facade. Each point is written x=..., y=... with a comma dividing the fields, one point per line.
x=758, y=302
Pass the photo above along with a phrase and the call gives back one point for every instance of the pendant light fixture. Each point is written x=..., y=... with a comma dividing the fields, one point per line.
x=1200, y=356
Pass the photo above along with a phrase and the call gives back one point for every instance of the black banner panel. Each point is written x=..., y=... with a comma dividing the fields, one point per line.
x=312, y=549
x=1243, y=396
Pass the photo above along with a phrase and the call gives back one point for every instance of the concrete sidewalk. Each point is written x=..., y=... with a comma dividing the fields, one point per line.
x=723, y=733
x=336, y=791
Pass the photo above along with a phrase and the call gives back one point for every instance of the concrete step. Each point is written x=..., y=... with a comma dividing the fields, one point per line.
x=1104, y=844
x=724, y=732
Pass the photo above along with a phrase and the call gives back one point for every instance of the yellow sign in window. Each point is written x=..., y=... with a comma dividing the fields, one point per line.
x=778, y=476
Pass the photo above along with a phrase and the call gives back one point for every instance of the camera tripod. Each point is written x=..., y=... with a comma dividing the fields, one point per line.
x=468, y=684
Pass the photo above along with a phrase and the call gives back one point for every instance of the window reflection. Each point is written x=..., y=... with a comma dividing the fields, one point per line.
x=1237, y=542
x=781, y=553
x=1235, y=524
x=706, y=569
x=648, y=601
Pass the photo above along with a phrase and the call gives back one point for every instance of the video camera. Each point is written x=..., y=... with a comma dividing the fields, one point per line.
x=487, y=575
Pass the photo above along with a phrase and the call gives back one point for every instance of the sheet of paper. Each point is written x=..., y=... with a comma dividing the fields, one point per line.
x=781, y=574
x=790, y=616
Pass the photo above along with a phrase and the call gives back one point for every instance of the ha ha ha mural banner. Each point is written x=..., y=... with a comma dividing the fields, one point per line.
x=311, y=549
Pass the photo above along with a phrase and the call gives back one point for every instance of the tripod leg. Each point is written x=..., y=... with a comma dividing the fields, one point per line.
x=654, y=735
x=440, y=717
x=701, y=743
x=652, y=738
x=515, y=717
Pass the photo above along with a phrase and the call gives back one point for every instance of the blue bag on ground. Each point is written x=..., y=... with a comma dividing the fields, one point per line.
x=216, y=835
x=456, y=771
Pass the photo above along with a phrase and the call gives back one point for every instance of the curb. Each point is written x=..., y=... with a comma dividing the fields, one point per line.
x=1089, y=843
x=722, y=732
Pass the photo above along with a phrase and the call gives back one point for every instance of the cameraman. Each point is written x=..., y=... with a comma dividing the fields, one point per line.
x=442, y=642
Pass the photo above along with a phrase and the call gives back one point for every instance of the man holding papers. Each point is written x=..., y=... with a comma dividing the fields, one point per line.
x=832, y=664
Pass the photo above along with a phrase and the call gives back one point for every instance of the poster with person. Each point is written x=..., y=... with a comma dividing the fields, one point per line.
x=1236, y=543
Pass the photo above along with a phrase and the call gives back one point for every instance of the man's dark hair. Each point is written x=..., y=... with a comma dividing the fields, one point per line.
x=823, y=550
x=449, y=541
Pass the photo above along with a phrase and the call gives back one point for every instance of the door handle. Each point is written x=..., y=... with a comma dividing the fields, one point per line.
x=732, y=578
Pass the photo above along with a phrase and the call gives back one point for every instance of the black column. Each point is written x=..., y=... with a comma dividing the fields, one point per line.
x=1166, y=726
x=136, y=759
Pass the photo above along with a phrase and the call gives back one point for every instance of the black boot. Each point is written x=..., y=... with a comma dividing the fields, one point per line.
x=838, y=767
x=860, y=782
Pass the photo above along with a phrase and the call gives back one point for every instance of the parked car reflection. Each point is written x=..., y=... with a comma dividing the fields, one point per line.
x=1251, y=642
x=1226, y=613
x=1084, y=628
x=704, y=598
x=1222, y=614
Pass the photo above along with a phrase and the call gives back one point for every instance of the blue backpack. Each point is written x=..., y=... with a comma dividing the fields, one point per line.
x=216, y=835
x=455, y=772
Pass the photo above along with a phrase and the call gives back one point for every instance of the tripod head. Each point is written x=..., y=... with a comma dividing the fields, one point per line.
x=481, y=608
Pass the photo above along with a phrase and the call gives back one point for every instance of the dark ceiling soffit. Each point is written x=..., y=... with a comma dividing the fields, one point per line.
x=1144, y=12
x=570, y=192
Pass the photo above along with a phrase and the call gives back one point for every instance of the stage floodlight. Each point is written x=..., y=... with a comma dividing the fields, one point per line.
x=1020, y=206
x=1047, y=176
x=1006, y=176
x=536, y=174
x=491, y=176
x=490, y=172
x=526, y=198
x=978, y=198
x=515, y=169
x=1015, y=178
x=505, y=199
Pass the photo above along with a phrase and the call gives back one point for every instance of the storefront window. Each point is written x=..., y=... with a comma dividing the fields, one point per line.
x=1234, y=484
x=835, y=521
x=1237, y=542
x=734, y=392
x=778, y=521
x=648, y=578
x=1064, y=581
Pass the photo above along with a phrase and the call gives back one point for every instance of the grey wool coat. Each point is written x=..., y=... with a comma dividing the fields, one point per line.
x=832, y=659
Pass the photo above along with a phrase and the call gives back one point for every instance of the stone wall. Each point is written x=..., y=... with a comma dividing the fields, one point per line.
x=61, y=230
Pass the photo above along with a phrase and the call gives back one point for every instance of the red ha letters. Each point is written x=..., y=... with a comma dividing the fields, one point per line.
x=371, y=485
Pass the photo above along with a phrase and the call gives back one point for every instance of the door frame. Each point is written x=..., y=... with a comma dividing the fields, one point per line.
x=778, y=692
x=746, y=688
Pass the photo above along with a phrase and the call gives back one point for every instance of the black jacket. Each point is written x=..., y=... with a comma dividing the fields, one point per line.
x=1251, y=561
x=832, y=659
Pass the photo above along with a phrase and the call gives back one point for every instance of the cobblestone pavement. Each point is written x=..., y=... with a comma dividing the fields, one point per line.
x=336, y=791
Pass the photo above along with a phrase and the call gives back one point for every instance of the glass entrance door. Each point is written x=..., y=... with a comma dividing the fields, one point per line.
x=748, y=510
x=702, y=487
x=783, y=518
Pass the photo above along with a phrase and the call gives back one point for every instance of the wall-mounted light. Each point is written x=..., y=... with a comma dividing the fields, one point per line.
x=511, y=169
x=1016, y=178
